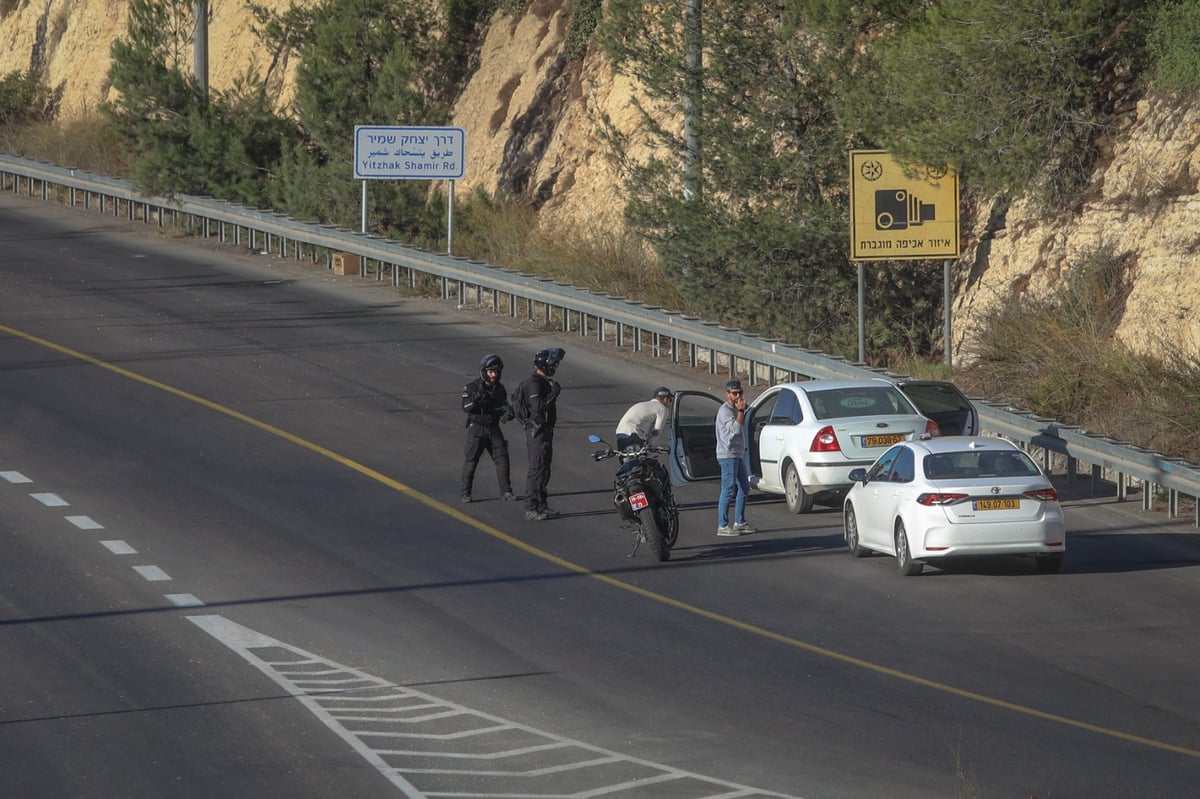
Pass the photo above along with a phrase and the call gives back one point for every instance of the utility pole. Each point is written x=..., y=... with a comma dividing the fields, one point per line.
x=200, y=47
x=694, y=66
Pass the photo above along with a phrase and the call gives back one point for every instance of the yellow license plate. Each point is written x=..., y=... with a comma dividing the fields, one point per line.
x=996, y=504
x=881, y=441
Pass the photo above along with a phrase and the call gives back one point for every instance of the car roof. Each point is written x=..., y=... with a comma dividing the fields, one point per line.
x=821, y=385
x=941, y=444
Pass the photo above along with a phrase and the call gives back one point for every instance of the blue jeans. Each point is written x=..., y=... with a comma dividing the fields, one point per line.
x=735, y=481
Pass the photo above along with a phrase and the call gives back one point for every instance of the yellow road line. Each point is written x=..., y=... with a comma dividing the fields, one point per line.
x=728, y=621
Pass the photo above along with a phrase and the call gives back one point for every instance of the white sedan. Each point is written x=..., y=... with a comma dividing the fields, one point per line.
x=802, y=439
x=954, y=496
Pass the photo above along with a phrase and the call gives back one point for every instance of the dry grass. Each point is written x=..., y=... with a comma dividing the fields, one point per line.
x=1059, y=358
x=610, y=260
x=84, y=142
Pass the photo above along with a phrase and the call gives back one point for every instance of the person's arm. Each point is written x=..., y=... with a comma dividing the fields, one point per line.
x=471, y=397
x=660, y=420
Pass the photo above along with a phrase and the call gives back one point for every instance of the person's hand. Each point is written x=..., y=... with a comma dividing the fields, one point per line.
x=741, y=404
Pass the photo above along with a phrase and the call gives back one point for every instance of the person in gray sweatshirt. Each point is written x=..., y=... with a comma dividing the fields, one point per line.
x=735, y=474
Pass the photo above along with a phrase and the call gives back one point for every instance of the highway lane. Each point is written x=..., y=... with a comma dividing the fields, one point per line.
x=304, y=487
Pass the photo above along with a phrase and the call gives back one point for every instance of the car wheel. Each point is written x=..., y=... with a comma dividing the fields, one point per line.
x=1049, y=564
x=798, y=500
x=904, y=561
x=850, y=523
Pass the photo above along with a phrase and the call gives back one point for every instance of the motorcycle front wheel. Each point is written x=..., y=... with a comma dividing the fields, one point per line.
x=653, y=534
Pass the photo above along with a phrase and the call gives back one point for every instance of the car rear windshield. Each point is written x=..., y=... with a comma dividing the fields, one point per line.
x=976, y=463
x=839, y=403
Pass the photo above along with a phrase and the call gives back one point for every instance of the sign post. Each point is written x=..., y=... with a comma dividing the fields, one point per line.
x=410, y=153
x=902, y=212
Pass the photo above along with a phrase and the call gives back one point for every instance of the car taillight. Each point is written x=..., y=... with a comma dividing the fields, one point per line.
x=932, y=428
x=1044, y=494
x=825, y=441
x=940, y=499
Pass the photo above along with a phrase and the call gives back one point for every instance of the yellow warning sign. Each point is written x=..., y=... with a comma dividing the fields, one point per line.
x=901, y=212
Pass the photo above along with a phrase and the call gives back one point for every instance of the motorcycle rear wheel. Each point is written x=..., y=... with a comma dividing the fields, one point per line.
x=653, y=534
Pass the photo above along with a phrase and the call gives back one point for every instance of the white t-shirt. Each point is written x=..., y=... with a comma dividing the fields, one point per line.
x=643, y=419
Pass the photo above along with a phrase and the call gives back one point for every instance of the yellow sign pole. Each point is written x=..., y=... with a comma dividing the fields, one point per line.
x=902, y=212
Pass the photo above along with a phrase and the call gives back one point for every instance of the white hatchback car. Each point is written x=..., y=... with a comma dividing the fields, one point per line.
x=954, y=496
x=802, y=439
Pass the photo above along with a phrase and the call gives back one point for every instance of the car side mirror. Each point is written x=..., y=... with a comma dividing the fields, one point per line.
x=858, y=475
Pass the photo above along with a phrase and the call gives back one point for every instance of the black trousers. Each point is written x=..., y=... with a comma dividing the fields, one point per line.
x=487, y=438
x=541, y=455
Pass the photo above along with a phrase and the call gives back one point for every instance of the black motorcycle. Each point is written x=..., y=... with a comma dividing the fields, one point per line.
x=643, y=496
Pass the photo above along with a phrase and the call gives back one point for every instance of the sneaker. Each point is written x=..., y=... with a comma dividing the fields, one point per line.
x=726, y=530
x=743, y=527
x=466, y=499
x=549, y=513
x=508, y=496
x=535, y=516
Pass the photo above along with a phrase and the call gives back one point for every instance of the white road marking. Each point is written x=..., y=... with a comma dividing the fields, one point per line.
x=50, y=500
x=85, y=522
x=152, y=573
x=118, y=547
x=184, y=600
x=431, y=748
x=15, y=477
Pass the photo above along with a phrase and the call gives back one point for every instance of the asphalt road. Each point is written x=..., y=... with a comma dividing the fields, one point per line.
x=234, y=563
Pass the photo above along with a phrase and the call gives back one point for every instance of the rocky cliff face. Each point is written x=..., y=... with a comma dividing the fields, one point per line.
x=530, y=116
x=1144, y=208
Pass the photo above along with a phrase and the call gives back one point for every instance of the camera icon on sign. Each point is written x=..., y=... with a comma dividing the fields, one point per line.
x=896, y=209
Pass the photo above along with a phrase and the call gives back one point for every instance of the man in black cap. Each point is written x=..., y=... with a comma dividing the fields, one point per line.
x=644, y=420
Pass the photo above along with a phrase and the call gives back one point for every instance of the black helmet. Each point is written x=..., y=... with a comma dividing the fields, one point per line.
x=548, y=360
x=490, y=361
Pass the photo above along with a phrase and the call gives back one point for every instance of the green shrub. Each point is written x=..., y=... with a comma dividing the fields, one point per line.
x=24, y=100
x=1174, y=46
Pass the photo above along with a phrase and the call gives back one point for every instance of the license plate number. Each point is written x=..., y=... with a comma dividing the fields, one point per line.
x=638, y=501
x=881, y=441
x=996, y=504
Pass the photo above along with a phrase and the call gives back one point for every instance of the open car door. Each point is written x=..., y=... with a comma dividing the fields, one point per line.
x=942, y=402
x=692, y=437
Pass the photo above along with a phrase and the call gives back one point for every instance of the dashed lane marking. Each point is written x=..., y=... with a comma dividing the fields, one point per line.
x=118, y=547
x=50, y=500
x=433, y=749
x=152, y=573
x=15, y=477
x=85, y=522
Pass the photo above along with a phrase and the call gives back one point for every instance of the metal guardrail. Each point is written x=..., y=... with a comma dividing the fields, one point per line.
x=664, y=332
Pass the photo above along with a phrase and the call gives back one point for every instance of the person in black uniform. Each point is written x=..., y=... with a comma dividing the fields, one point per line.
x=539, y=393
x=486, y=405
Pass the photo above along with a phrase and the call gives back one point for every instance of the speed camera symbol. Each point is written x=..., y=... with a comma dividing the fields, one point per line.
x=896, y=209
